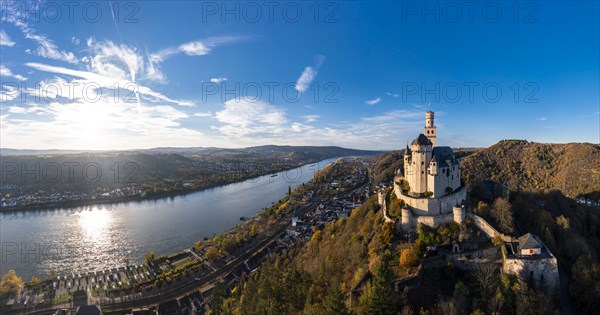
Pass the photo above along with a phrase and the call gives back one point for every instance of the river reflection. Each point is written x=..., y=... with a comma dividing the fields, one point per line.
x=87, y=238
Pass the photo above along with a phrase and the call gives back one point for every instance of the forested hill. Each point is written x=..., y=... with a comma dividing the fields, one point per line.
x=46, y=169
x=573, y=168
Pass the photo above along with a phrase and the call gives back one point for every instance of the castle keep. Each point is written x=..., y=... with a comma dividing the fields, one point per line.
x=431, y=186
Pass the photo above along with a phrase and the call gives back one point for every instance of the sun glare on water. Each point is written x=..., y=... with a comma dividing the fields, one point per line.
x=95, y=224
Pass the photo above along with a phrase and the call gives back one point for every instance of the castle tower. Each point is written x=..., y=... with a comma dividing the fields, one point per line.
x=406, y=220
x=459, y=214
x=381, y=198
x=429, y=130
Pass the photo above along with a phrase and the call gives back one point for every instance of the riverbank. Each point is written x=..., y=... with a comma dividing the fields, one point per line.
x=148, y=195
x=88, y=238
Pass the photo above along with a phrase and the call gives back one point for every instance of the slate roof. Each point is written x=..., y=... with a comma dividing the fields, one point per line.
x=421, y=140
x=529, y=241
x=442, y=155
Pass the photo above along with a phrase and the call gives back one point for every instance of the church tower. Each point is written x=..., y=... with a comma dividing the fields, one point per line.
x=429, y=131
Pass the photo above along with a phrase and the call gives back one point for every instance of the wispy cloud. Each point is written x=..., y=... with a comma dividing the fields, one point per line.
x=203, y=114
x=7, y=73
x=308, y=75
x=5, y=39
x=244, y=118
x=218, y=80
x=373, y=101
x=108, y=82
x=193, y=48
x=543, y=118
x=310, y=118
x=392, y=94
x=46, y=48
x=305, y=79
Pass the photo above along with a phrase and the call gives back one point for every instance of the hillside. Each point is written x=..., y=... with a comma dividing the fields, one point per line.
x=159, y=169
x=573, y=168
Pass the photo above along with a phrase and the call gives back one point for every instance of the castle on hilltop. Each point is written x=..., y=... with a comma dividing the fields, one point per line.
x=431, y=185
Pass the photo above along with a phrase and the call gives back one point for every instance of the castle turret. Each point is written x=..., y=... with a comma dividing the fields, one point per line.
x=381, y=198
x=406, y=220
x=459, y=214
x=429, y=130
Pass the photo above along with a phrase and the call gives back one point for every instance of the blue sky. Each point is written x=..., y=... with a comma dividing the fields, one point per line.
x=354, y=74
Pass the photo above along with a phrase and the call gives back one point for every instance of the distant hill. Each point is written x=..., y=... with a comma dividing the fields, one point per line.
x=314, y=151
x=72, y=169
x=573, y=168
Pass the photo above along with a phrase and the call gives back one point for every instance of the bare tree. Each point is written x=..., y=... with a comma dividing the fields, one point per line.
x=486, y=277
x=502, y=214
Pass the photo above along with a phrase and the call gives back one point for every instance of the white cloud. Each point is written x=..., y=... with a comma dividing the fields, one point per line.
x=48, y=49
x=543, y=118
x=373, y=101
x=305, y=79
x=8, y=93
x=15, y=15
x=7, y=73
x=218, y=80
x=109, y=82
x=309, y=74
x=310, y=118
x=203, y=114
x=111, y=59
x=103, y=124
x=5, y=39
x=392, y=94
x=194, y=49
x=250, y=114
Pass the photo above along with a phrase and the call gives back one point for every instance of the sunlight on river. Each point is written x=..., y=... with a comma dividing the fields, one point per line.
x=95, y=225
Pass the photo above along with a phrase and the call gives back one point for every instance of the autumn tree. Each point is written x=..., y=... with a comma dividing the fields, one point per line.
x=387, y=233
x=502, y=214
x=11, y=283
x=212, y=253
x=408, y=258
x=149, y=257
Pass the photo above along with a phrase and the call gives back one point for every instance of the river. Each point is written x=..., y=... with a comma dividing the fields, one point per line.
x=98, y=237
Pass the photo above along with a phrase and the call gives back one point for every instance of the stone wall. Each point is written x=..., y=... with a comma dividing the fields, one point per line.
x=433, y=221
x=487, y=228
x=538, y=273
x=432, y=206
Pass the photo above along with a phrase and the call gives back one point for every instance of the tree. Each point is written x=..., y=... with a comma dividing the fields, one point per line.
x=388, y=233
x=483, y=209
x=218, y=296
x=11, y=283
x=212, y=253
x=149, y=257
x=408, y=258
x=485, y=275
x=563, y=222
x=384, y=298
x=585, y=283
x=461, y=297
x=502, y=214
x=334, y=302
x=34, y=280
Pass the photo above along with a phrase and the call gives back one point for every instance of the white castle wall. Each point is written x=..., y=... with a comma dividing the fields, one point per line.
x=432, y=206
x=541, y=273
